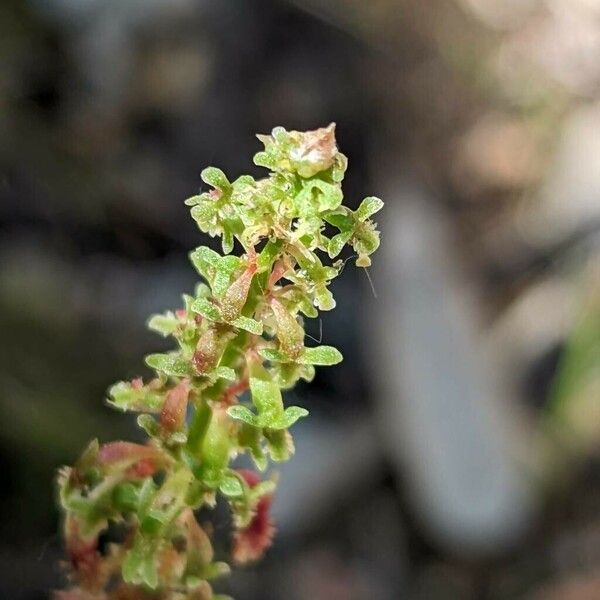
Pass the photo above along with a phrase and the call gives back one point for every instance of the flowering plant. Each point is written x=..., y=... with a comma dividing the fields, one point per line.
x=239, y=343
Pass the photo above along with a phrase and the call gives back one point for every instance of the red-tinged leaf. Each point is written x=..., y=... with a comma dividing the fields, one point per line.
x=84, y=556
x=250, y=543
x=173, y=413
x=135, y=460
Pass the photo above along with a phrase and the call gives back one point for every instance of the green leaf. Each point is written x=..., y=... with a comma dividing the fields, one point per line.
x=215, y=177
x=204, y=307
x=331, y=195
x=248, y=324
x=337, y=243
x=139, y=566
x=205, y=260
x=291, y=415
x=204, y=213
x=242, y=413
x=269, y=253
x=369, y=206
x=227, y=241
x=193, y=200
x=266, y=396
x=215, y=570
x=341, y=221
x=149, y=424
x=321, y=355
x=164, y=324
x=324, y=298
x=273, y=355
x=366, y=241
x=170, y=364
x=225, y=268
x=225, y=373
x=124, y=396
x=231, y=485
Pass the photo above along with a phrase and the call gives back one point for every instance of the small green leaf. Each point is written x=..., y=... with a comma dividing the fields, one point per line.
x=215, y=570
x=204, y=307
x=193, y=200
x=164, y=324
x=268, y=255
x=273, y=355
x=225, y=268
x=231, y=486
x=139, y=566
x=242, y=413
x=341, y=221
x=205, y=260
x=203, y=213
x=337, y=243
x=321, y=355
x=227, y=241
x=291, y=415
x=225, y=373
x=266, y=396
x=215, y=177
x=248, y=324
x=369, y=206
x=149, y=424
x=170, y=364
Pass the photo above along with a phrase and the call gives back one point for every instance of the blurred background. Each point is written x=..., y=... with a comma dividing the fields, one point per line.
x=455, y=453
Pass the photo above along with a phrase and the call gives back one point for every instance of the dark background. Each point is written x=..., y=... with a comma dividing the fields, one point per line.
x=454, y=453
